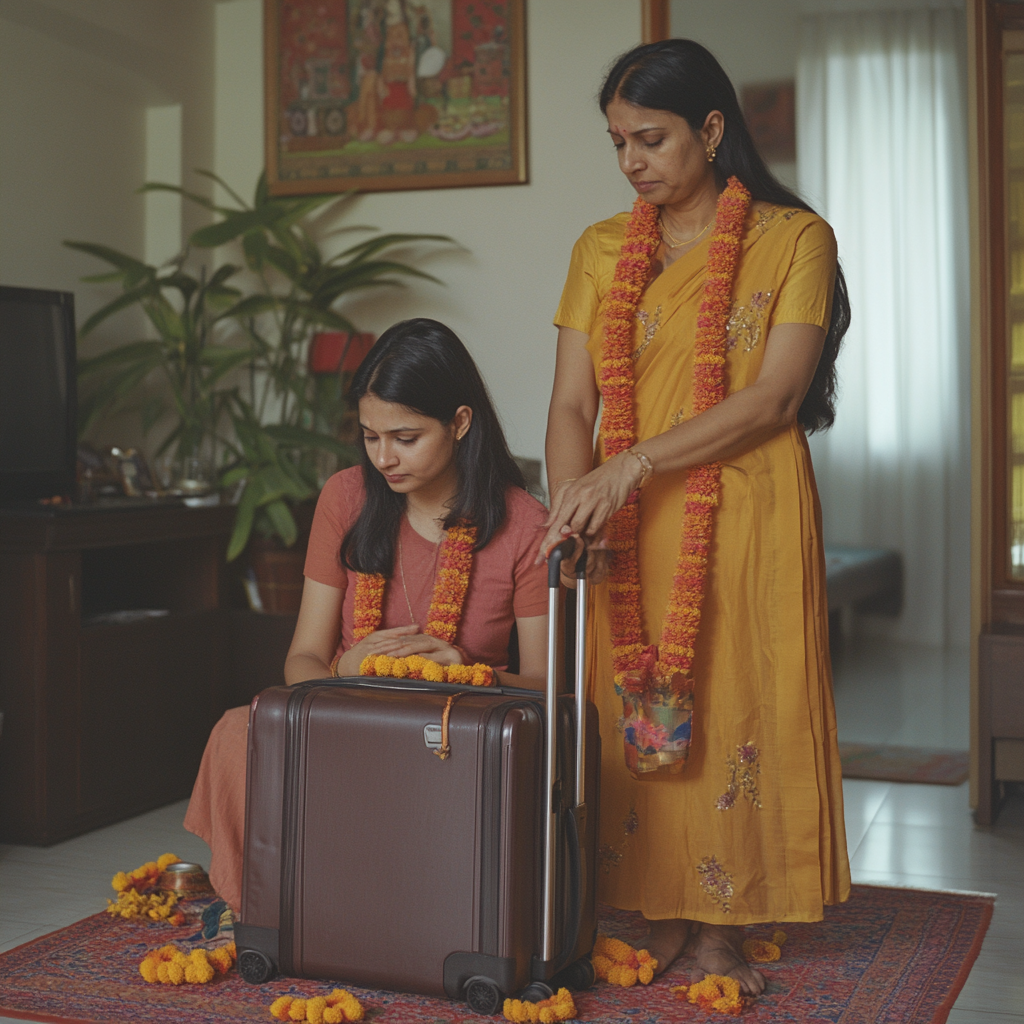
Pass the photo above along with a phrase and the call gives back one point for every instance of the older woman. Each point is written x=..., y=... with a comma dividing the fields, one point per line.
x=707, y=323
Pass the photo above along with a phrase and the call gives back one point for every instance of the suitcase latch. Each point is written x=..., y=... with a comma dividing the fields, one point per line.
x=432, y=736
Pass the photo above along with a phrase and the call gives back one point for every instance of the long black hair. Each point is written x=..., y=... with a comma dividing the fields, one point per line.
x=422, y=365
x=681, y=76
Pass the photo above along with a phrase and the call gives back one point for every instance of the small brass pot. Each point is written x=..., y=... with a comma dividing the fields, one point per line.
x=185, y=880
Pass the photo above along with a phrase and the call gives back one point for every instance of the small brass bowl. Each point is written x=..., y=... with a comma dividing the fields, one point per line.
x=185, y=880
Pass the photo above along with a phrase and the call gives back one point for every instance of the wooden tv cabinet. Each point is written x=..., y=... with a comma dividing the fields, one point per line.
x=106, y=719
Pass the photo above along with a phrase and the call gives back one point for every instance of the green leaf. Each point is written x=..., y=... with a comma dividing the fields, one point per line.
x=243, y=520
x=284, y=524
x=284, y=261
x=134, y=350
x=252, y=305
x=366, y=249
x=224, y=362
x=300, y=437
x=227, y=230
x=227, y=188
x=233, y=476
x=165, y=319
x=262, y=195
x=123, y=301
x=254, y=245
x=119, y=259
x=159, y=186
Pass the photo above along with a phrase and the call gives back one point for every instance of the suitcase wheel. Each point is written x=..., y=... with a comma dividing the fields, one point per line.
x=255, y=967
x=578, y=976
x=483, y=995
x=536, y=992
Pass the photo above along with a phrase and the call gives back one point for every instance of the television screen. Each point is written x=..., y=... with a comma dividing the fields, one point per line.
x=37, y=393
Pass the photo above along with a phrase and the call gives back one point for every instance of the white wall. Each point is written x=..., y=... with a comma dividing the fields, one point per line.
x=77, y=80
x=502, y=290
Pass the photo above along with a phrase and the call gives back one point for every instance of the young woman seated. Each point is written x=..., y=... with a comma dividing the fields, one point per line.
x=436, y=478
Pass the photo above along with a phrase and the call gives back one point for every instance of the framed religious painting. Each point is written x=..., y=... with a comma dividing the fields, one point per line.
x=381, y=95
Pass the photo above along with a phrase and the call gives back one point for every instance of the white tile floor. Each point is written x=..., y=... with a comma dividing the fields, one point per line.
x=921, y=836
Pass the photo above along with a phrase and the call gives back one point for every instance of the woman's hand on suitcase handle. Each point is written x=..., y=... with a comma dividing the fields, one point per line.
x=598, y=561
x=583, y=507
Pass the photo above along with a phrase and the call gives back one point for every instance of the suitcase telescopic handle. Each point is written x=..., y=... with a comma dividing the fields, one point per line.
x=555, y=558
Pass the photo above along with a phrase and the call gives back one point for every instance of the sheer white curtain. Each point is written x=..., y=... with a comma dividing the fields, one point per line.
x=882, y=155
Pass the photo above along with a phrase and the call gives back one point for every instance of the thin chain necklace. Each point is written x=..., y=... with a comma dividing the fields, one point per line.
x=687, y=241
x=401, y=572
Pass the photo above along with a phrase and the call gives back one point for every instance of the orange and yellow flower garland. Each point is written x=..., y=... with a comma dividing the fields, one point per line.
x=639, y=667
x=619, y=963
x=556, y=1008
x=340, y=1007
x=443, y=616
x=170, y=965
x=135, y=898
x=418, y=667
x=715, y=993
x=445, y=613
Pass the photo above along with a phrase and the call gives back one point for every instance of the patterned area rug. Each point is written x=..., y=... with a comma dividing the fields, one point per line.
x=904, y=764
x=893, y=955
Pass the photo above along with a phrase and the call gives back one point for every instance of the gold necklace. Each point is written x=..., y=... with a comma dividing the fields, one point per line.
x=686, y=241
x=401, y=571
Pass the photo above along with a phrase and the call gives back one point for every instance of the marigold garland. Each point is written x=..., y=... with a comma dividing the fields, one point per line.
x=170, y=965
x=639, y=666
x=445, y=612
x=417, y=667
x=337, y=1008
x=134, y=898
x=618, y=963
x=764, y=951
x=715, y=993
x=558, y=1007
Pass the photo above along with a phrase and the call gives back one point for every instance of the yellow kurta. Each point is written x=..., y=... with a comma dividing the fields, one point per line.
x=752, y=830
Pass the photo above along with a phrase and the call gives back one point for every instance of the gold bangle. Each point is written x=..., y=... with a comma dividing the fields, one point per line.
x=645, y=463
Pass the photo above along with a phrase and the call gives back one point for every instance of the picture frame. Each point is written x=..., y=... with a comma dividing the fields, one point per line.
x=388, y=95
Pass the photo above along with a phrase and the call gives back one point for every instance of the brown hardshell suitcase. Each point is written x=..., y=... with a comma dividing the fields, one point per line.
x=373, y=861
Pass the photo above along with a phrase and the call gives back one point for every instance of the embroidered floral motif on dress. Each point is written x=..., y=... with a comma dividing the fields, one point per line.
x=716, y=882
x=767, y=219
x=745, y=322
x=742, y=772
x=611, y=856
x=651, y=325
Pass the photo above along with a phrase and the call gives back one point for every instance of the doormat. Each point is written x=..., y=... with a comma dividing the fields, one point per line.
x=894, y=955
x=904, y=764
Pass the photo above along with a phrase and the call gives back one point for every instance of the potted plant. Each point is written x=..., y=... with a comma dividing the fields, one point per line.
x=284, y=417
x=190, y=365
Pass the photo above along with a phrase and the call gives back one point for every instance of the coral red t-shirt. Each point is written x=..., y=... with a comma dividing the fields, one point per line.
x=504, y=583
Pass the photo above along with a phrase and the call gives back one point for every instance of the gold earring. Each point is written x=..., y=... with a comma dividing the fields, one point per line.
x=711, y=153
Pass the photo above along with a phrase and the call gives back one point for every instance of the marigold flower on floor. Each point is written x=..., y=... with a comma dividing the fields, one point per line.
x=145, y=876
x=716, y=993
x=133, y=905
x=170, y=965
x=340, y=1007
x=618, y=963
x=558, y=1007
x=758, y=951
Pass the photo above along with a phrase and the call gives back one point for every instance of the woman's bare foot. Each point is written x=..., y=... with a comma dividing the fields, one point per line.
x=720, y=951
x=666, y=941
